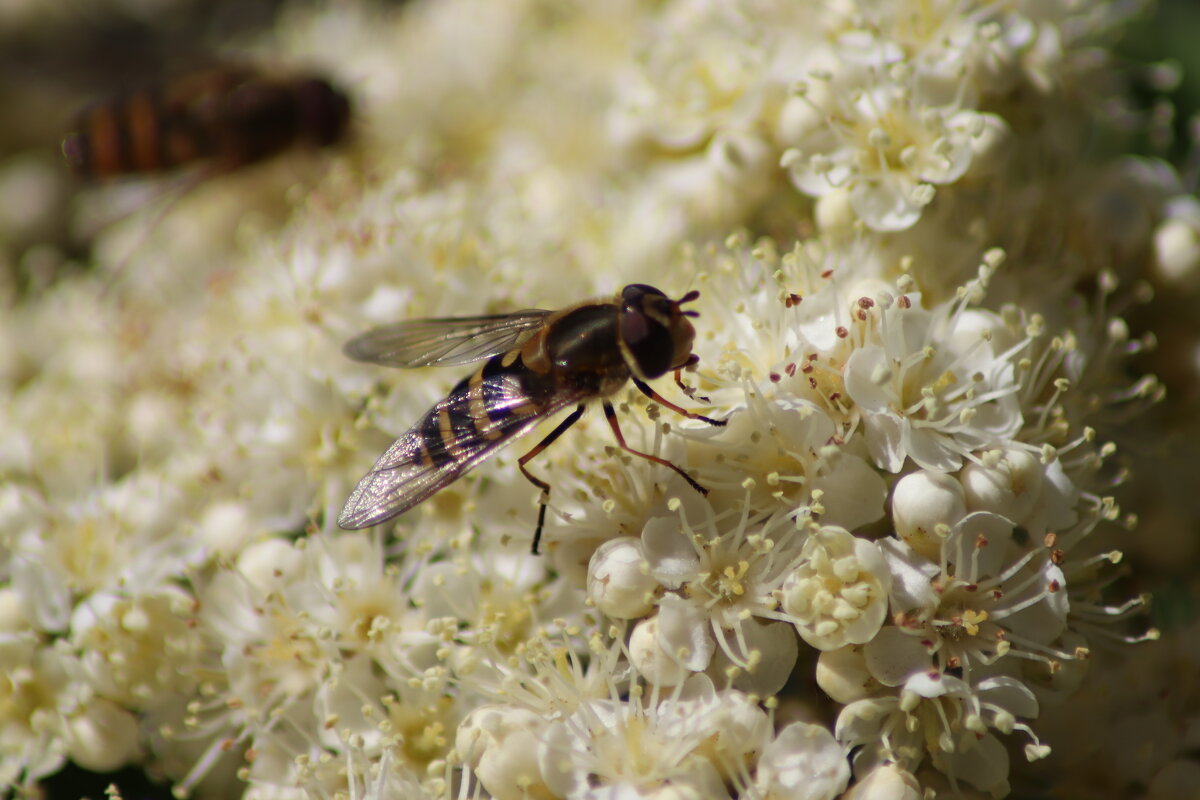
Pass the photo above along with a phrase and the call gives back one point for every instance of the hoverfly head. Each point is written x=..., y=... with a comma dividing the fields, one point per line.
x=654, y=332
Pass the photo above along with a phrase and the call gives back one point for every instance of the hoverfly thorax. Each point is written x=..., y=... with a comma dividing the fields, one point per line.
x=654, y=334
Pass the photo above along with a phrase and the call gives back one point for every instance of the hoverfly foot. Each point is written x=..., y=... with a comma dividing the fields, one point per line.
x=690, y=391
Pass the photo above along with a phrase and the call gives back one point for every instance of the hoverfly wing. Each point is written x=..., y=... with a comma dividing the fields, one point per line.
x=481, y=415
x=444, y=342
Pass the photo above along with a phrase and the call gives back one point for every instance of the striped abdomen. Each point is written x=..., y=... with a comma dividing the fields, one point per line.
x=230, y=116
x=492, y=405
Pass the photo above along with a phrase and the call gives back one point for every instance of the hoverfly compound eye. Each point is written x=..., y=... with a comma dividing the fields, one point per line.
x=654, y=334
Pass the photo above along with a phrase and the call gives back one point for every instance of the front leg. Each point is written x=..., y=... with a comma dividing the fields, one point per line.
x=658, y=398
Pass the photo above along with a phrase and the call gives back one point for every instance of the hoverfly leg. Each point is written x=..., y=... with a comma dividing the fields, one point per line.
x=539, y=483
x=168, y=198
x=658, y=398
x=611, y=415
x=690, y=391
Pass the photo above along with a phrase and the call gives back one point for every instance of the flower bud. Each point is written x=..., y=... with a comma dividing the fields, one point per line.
x=103, y=737
x=922, y=501
x=886, y=782
x=842, y=674
x=1009, y=488
x=650, y=659
x=617, y=582
x=500, y=744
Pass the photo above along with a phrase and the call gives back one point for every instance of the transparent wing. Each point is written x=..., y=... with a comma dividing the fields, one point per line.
x=445, y=443
x=446, y=341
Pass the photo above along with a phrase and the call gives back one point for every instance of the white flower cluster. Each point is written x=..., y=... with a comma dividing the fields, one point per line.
x=908, y=271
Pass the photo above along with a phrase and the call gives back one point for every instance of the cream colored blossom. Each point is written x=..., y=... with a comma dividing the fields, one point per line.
x=802, y=762
x=838, y=594
x=934, y=403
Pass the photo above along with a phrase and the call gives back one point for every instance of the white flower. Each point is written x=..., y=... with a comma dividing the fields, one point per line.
x=133, y=649
x=701, y=70
x=34, y=694
x=803, y=762
x=886, y=144
x=367, y=775
x=490, y=603
x=609, y=749
x=501, y=746
x=838, y=594
x=287, y=632
x=933, y=386
x=955, y=55
x=990, y=592
x=943, y=717
x=719, y=574
x=121, y=535
x=789, y=449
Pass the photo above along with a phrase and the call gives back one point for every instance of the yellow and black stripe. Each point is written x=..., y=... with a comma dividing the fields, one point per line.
x=482, y=409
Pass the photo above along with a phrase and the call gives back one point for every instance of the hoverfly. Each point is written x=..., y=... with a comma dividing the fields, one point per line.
x=225, y=117
x=538, y=363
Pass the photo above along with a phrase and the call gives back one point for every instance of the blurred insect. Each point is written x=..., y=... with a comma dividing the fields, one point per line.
x=538, y=363
x=223, y=118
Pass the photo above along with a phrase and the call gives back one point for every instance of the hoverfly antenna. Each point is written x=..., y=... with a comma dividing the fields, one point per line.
x=687, y=298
